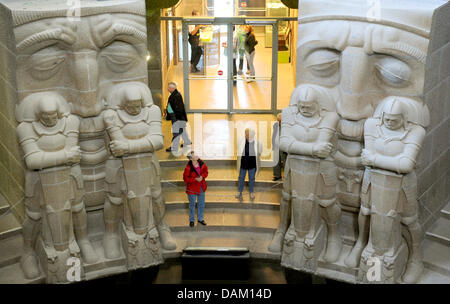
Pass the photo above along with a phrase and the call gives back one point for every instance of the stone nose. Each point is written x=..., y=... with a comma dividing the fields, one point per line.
x=355, y=85
x=85, y=71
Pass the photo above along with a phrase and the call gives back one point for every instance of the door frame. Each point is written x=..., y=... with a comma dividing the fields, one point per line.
x=230, y=22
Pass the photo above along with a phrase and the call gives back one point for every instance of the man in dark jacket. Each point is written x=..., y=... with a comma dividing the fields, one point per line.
x=177, y=114
x=194, y=41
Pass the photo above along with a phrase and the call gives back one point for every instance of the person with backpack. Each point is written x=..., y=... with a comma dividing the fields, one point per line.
x=194, y=176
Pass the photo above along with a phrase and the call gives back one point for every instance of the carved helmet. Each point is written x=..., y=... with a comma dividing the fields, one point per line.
x=34, y=104
x=127, y=91
x=313, y=94
x=413, y=111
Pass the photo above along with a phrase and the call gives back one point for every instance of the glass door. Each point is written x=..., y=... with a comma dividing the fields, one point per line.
x=219, y=75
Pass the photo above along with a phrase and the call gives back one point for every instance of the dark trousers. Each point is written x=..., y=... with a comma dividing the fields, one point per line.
x=280, y=164
x=196, y=54
x=241, y=64
x=179, y=129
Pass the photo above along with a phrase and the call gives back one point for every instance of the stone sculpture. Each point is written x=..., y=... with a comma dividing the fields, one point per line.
x=48, y=135
x=82, y=52
x=308, y=135
x=393, y=138
x=361, y=54
x=133, y=125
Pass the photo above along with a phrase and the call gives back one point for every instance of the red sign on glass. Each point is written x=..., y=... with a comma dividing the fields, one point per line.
x=243, y=4
x=220, y=72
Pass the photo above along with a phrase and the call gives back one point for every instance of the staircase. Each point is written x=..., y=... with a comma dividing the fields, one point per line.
x=436, y=247
x=231, y=223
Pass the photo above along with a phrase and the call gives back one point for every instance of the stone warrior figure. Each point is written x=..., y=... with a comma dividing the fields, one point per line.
x=48, y=135
x=308, y=132
x=133, y=124
x=393, y=138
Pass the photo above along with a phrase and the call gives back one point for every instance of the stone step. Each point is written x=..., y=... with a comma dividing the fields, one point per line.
x=182, y=161
x=436, y=257
x=11, y=250
x=226, y=219
x=440, y=232
x=224, y=183
x=12, y=274
x=223, y=197
x=445, y=212
x=220, y=172
x=256, y=242
x=4, y=206
x=9, y=226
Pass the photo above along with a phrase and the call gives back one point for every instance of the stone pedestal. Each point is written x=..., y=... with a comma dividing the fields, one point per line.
x=141, y=250
x=58, y=267
x=374, y=269
x=302, y=254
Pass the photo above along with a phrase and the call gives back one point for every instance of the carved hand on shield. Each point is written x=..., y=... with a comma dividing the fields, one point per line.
x=73, y=155
x=367, y=158
x=322, y=150
x=118, y=148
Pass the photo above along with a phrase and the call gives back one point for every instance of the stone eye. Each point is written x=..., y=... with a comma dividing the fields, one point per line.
x=43, y=67
x=393, y=72
x=323, y=62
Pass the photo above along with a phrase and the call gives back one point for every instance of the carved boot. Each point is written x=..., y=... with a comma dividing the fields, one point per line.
x=352, y=260
x=30, y=265
x=29, y=261
x=167, y=240
x=413, y=272
x=277, y=241
x=80, y=226
x=111, y=239
x=334, y=242
x=414, y=266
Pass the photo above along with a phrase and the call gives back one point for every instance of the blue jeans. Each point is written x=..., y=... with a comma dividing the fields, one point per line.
x=251, y=179
x=200, y=198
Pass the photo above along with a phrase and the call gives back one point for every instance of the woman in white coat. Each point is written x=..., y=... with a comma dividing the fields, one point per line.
x=248, y=160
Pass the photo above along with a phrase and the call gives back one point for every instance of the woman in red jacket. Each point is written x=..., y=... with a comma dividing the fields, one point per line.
x=194, y=176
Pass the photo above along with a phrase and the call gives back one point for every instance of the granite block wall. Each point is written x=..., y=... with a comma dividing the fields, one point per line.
x=433, y=166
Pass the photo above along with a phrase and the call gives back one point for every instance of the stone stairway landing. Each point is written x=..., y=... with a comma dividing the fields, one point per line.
x=265, y=198
x=440, y=232
x=226, y=219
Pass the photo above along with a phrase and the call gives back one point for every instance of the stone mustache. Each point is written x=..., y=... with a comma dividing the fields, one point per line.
x=89, y=131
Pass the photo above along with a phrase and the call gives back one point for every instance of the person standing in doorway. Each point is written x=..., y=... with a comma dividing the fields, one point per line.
x=241, y=37
x=177, y=114
x=279, y=157
x=194, y=41
x=248, y=160
x=250, y=43
x=194, y=176
x=235, y=52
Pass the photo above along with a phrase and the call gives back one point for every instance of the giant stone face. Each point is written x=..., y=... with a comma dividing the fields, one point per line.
x=81, y=59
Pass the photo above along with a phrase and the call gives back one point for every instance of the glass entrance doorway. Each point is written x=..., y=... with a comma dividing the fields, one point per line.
x=219, y=76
